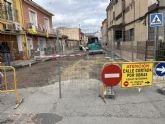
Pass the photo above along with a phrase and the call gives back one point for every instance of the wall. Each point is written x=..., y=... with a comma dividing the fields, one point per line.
x=105, y=32
x=19, y=50
x=40, y=15
x=72, y=33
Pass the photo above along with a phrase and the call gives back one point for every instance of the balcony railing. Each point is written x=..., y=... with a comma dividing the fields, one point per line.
x=39, y=29
x=10, y=15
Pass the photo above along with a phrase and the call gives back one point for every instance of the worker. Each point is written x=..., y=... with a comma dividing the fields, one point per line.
x=5, y=50
x=82, y=48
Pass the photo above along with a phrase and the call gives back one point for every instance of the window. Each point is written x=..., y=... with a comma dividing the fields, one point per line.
x=113, y=15
x=118, y=35
x=132, y=34
x=129, y=35
x=46, y=24
x=9, y=10
x=33, y=17
x=151, y=34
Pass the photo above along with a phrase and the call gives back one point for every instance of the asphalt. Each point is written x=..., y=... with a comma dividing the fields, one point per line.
x=80, y=104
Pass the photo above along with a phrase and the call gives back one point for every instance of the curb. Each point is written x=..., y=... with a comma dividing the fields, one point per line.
x=19, y=66
x=24, y=65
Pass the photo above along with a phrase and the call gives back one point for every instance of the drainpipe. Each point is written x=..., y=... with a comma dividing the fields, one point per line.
x=25, y=37
x=156, y=36
x=132, y=42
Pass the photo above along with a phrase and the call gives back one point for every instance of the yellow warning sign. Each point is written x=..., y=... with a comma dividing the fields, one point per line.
x=137, y=75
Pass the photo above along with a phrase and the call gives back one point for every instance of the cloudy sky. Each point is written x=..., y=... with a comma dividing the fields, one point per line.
x=87, y=13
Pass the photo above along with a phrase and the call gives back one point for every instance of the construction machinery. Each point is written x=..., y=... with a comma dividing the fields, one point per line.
x=94, y=45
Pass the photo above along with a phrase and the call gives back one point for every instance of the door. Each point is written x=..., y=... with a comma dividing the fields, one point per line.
x=30, y=46
x=42, y=46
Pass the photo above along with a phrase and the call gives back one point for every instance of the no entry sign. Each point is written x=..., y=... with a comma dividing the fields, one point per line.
x=111, y=75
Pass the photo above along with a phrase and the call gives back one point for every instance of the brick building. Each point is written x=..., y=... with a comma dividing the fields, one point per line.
x=38, y=26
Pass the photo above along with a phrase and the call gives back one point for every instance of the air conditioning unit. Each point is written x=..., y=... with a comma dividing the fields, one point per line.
x=17, y=27
x=8, y=27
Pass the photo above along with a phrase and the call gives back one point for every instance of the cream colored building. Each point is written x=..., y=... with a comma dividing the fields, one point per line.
x=104, y=32
x=73, y=34
x=128, y=23
x=127, y=20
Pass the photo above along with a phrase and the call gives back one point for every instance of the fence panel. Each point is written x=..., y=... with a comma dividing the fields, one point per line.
x=8, y=82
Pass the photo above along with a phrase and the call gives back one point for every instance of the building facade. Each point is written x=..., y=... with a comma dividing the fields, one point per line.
x=38, y=26
x=74, y=36
x=11, y=29
x=104, y=32
x=128, y=22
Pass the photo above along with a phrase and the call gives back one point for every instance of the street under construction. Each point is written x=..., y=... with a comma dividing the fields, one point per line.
x=70, y=87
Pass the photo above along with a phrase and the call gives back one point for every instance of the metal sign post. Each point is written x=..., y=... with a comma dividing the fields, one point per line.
x=155, y=42
x=156, y=20
x=112, y=45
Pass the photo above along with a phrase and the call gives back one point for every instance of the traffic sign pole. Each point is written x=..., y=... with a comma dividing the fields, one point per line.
x=155, y=43
x=156, y=20
x=110, y=92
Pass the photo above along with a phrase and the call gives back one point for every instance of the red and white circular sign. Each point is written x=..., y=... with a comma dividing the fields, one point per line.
x=111, y=75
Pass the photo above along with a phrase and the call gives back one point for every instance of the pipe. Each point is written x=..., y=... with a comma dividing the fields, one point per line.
x=25, y=37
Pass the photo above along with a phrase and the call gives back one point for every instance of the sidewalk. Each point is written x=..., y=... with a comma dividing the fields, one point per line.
x=23, y=63
x=80, y=104
x=28, y=63
x=128, y=56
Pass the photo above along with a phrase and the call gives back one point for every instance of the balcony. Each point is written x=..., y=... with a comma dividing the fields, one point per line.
x=40, y=30
x=10, y=15
x=152, y=7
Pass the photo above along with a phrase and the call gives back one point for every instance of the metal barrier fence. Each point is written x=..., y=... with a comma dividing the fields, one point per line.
x=78, y=72
x=138, y=74
x=8, y=84
x=139, y=51
x=134, y=75
x=156, y=78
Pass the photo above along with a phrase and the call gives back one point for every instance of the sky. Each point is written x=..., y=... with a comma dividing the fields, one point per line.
x=86, y=14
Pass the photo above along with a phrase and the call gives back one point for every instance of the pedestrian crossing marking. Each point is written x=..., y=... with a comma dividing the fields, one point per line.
x=156, y=20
